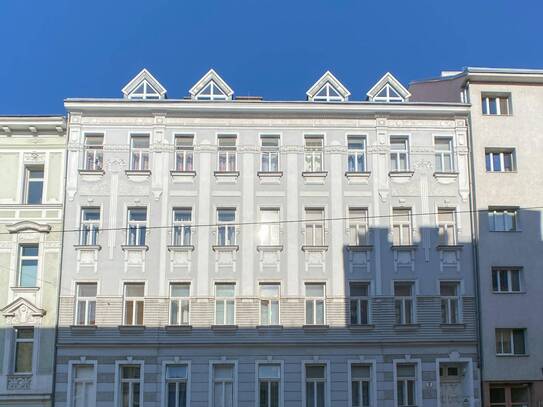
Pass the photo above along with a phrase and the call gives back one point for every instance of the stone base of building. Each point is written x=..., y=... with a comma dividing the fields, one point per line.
x=513, y=393
x=26, y=400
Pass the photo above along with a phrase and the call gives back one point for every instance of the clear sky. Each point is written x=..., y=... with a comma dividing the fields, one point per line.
x=54, y=49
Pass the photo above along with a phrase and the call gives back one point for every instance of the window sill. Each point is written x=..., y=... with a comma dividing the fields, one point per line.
x=269, y=327
x=361, y=177
x=92, y=173
x=406, y=327
x=183, y=176
x=83, y=328
x=508, y=292
x=317, y=177
x=178, y=328
x=401, y=174
x=131, y=328
x=501, y=172
x=129, y=247
x=404, y=247
x=25, y=289
x=441, y=174
x=138, y=173
x=523, y=355
x=185, y=248
x=316, y=327
x=229, y=248
x=87, y=247
x=360, y=248
x=269, y=248
x=308, y=248
x=270, y=174
x=224, y=328
x=362, y=328
x=453, y=327
x=450, y=247
x=226, y=176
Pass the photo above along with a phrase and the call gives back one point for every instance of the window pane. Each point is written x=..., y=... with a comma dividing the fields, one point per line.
x=497, y=395
x=176, y=372
x=137, y=215
x=359, y=289
x=180, y=290
x=226, y=215
x=360, y=372
x=225, y=290
x=314, y=290
x=269, y=371
x=314, y=372
x=140, y=141
x=134, y=290
x=269, y=290
x=405, y=370
x=402, y=289
x=86, y=289
x=518, y=342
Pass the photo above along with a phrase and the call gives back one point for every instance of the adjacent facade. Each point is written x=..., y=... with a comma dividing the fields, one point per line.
x=32, y=156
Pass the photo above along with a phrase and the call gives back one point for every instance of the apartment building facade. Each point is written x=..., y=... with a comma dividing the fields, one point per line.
x=32, y=155
x=506, y=130
x=225, y=251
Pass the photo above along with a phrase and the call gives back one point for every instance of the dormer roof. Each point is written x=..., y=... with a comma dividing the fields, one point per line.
x=211, y=87
x=388, y=89
x=328, y=89
x=144, y=86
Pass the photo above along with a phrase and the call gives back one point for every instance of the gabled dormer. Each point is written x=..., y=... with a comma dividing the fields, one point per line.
x=328, y=89
x=144, y=86
x=211, y=87
x=388, y=89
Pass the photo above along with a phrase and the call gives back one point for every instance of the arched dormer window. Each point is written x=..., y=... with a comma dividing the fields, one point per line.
x=144, y=86
x=211, y=87
x=388, y=90
x=328, y=89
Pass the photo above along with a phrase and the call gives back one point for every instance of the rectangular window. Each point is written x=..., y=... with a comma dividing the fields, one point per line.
x=496, y=105
x=28, y=265
x=500, y=160
x=269, y=154
x=94, y=152
x=517, y=395
x=90, y=226
x=359, y=298
x=133, y=303
x=226, y=227
x=356, y=156
x=33, y=188
x=269, y=227
x=450, y=302
x=510, y=341
x=269, y=303
x=83, y=391
x=227, y=153
x=269, y=382
x=314, y=226
x=179, y=303
x=315, y=385
x=314, y=154
x=139, y=152
x=399, y=153
x=223, y=385
x=315, y=298
x=502, y=219
x=401, y=227
x=446, y=223
x=24, y=350
x=176, y=385
x=131, y=386
x=403, y=302
x=86, y=303
x=184, y=153
x=406, y=379
x=137, y=226
x=358, y=226
x=444, y=154
x=225, y=304
x=507, y=280
x=182, y=222
x=360, y=385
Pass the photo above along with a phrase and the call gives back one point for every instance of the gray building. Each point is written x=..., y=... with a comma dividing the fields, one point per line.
x=225, y=251
x=506, y=139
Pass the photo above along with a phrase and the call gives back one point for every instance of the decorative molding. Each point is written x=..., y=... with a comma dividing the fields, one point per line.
x=19, y=382
x=22, y=312
x=27, y=225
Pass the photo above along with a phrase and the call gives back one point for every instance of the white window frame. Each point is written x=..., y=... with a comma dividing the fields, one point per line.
x=72, y=366
x=229, y=226
x=395, y=155
x=27, y=181
x=418, y=379
x=358, y=226
x=403, y=300
x=179, y=239
x=359, y=300
x=93, y=154
x=89, y=229
x=141, y=152
x=314, y=225
x=355, y=153
x=119, y=364
x=503, y=332
x=329, y=97
x=184, y=153
x=314, y=300
x=485, y=102
x=86, y=301
x=388, y=98
x=372, y=380
x=136, y=300
x=147, y=94
x=503, y=212
x=20, y=260
x=270, y=300
x=140, y=226
x=501, y=153
x=15, y=349
x=224, y=362
x=327, y=392
x=180, y=301
x=269, y=231
x=213, y=95
x=225, y=300
x=444, y=156
x=228, y=152
x=267, y=153
x=313, y=154
x=509, y=272
x=447, y=228
x=165, y=382
x=399, y=222
x=279, y=363
x=449, y=302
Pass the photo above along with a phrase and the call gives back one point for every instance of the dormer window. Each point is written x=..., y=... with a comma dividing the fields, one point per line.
x=211, y=92
x=388, y=90
x=144, y=91
x=328, y=89
x=144, y=86
x=328, y=94
x=211, y=87
x=388, y=94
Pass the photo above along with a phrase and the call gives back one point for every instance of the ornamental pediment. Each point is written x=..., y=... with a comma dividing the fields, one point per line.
x=27, y=225
x=22, y=312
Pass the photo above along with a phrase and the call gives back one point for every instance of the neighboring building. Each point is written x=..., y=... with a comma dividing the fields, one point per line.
x=32, y=157
x=238, y=252
x=506, y=143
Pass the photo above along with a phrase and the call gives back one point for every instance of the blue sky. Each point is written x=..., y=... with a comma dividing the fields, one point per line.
x=277, y=49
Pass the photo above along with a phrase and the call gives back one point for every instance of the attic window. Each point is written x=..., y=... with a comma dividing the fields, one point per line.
x=144, y=91
x=328, y=94
x=388, y=94
x=211, y=92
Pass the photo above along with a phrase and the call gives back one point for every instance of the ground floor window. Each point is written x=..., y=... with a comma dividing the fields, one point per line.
x=517, y=395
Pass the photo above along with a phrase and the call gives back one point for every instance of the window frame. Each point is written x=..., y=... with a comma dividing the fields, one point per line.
x=313, y=225
x=441, y=155
x=372, y=381
x=179, y=300
x=141, y=152
x=496, y=277
x=270, y=300
x=356, y=152
x=212, y=96
x=72, y=367
x=186, y=151
x=22, y=258
x=417, y=381
x=314, y=301
x=402, y=300
x=510, y=332
x=396, y=153
x=141, y=227
x=94, y=151
x=358, y=223
x=119, y=364
x=326, y=381
x=86, y=300
x=444, y=227
x=280, y=381
x=328, y=97
x=179, y=239
x=314, y=154
x=486, y=97
x=490, y=153
x=269, y=231
x=228, y=226
x=398, y=222
x=513, y=212
x=225, y=300
x=89, y=230
x=136, y=300
x=228, y=152
x=388, y=98
x=146, y=94
x=225, y=362
x=28, y=169
x=358, y=300
x=15, y=350
x=268, y=152
x=448, y=303
x=165, y=381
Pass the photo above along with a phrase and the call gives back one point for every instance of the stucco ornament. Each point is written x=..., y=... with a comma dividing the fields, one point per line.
x=22, y=312
x=19, y=382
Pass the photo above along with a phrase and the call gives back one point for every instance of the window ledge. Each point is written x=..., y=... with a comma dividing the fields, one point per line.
x=83, y=328
x=308, y=248
x=25, y=289
x=87, y=247
x=269, y=327
x=178, y=328
x=98, y=173
x=509, y=292
x=270, y=174
x=220, y=174
x=138, y=173
x=229, y=248
x=317, y=177
x=357, y=177
x=404, y=247
x=131, y=328
x=450, y=247
x=360, y=248
x=522, y=355
x=401, y=174
x=442, y=174
x=316, y=327
x=185, y=248
x=269, y=248
x=501, y=172
x=183, y=176
x=406, y=327
x=364, y=327
x=453, y=327
x=128, y=247
x=227, y=328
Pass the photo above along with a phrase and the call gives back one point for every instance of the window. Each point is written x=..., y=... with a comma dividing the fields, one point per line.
x=269, y=227
x=360, y=385
x=269, y=382
x=28, y=265
x=496, y=105
x=314, y=154
x=507, y=280
x=211, y=92
x=176, y=385
x=86, y=303
x=314, y=227
x=137, y=226
x=182, y=220
x=358, y=226
x=83, y=391
x=227, y=153
x=131, y=386
x=133, y=303
x=144, y=91
x=315, y=385
x=226, y=228
x=406, y=379
x=446, y=223
x=328, y=94
x=33, y=191
x=517, y=395
x=502, y=220
x=225, y=305
x=359, y=303
x=450, y=303
x=179, y=303
x=403, y=302
x=269, y=154
x=356, y=155
x=401, y=227
x=269, y=304
x=24, y=349
x=139, y=152
x=223, y=385
x=500, y=160
x=444, y=154
x=314, y=303
x=94, y=152
x=510, y=341
x=90, y=226
x=388, y=94
x=399, y=154
x=184, y=153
